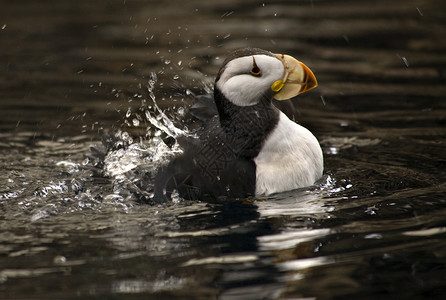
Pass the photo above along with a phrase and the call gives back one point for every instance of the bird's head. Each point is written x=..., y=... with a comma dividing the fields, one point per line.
x=249, y=75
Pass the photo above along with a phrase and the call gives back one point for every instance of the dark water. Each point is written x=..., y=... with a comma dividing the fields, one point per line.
x=73, y=70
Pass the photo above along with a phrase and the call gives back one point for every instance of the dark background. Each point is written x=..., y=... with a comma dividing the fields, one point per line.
x=72, y=70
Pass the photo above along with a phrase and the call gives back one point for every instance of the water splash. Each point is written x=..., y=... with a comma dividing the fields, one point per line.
x=150, y=154
x=161, y=121
x=134, y=163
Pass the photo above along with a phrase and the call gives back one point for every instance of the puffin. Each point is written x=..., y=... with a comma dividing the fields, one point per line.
x=246, y=146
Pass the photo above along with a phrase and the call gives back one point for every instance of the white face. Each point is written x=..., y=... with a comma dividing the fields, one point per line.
x=243, y=88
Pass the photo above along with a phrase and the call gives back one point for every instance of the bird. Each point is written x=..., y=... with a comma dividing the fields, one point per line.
x=246, y=146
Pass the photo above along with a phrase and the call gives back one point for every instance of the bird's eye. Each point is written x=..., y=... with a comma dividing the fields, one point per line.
x=255, y=70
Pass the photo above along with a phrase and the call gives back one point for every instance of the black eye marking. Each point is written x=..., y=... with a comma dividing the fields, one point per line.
x=255, y=69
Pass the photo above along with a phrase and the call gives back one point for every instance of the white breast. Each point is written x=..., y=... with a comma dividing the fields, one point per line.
x=290, y=158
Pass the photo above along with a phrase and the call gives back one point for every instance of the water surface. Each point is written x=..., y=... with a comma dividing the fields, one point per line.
x=71, y=71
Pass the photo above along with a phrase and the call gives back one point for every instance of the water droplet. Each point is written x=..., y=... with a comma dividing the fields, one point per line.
x=152, y=95
x=135, y=122
x=4, y=26
x=376, y=236
x=175, y=77
x=371, y=210
x=60, y=259
x=419, y=11
x=128, y=113
x=404, y=59
x=167, y=61
x=323, y=100
x=333, y=150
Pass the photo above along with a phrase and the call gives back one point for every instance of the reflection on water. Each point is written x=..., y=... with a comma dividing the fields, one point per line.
x=71, y=71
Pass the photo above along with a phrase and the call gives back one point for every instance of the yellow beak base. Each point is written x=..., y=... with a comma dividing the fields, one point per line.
x=297, y=79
